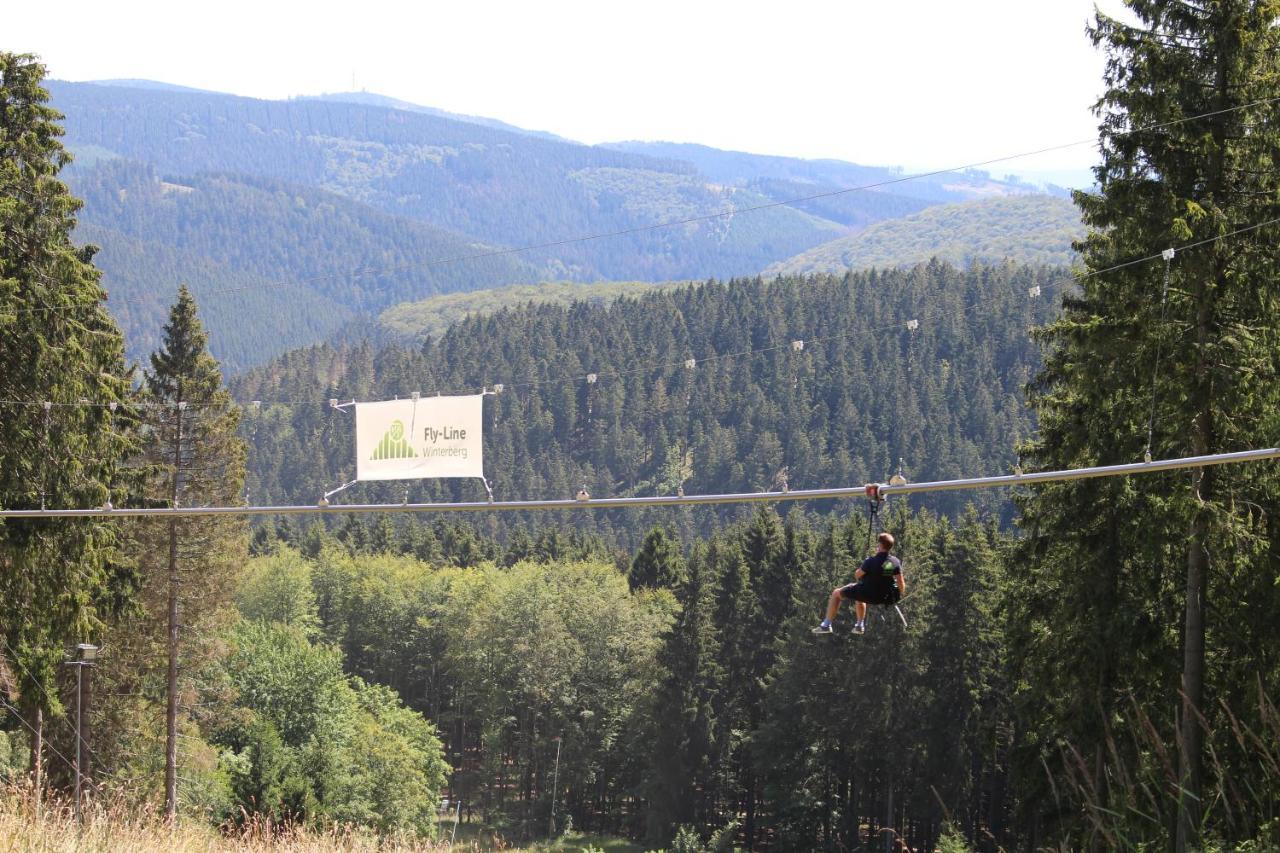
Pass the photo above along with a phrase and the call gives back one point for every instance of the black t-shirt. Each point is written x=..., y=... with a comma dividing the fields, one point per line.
x=880, y=570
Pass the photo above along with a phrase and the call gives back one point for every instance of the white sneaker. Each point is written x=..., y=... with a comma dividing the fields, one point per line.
x=859, y=628
x=822, y=629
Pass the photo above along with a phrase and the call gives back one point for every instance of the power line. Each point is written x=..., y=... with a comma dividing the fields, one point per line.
x=836, y=493
x=690, y=220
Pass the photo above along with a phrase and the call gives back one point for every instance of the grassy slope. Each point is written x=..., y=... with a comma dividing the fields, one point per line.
x=433, y=315
x=1033, y=228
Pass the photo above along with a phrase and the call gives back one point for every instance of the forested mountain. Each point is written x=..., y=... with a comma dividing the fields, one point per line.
x=862, y=393
x=490, y=184
x=237, y=196
x=1026, y=228
x=274, y=265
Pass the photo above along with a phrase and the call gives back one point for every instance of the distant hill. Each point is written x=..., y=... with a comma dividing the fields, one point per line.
x=376, y=100
x=741, y=168
x=153, y=85
x=277, y=265
x=1032, y=229
x=432, y=316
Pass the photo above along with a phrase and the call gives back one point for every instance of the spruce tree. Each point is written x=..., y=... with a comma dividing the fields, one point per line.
x=658, y=563
x=191, y=440
x=1189, y=154
x=67, y=425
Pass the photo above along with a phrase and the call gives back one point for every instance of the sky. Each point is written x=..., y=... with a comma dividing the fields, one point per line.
x=916, y=83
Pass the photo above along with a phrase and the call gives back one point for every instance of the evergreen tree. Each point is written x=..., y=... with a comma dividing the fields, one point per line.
x=1103, y=559
x=199, y=460
x=658, y=562
x=58, y=348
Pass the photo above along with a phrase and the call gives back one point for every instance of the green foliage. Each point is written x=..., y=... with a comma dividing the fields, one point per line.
x=319, y=746
x=1026, y=228
x=952, y=841
x=277, y=588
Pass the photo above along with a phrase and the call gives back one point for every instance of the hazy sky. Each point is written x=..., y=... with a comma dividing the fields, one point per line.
x=919, y=83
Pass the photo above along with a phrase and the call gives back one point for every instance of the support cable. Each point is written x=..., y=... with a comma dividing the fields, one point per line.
x=1167, y=254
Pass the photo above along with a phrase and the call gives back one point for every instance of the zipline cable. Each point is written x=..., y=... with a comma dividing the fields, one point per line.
x=842, y=492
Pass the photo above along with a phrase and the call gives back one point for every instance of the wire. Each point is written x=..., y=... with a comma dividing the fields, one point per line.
x=14, y=655
x=70, y=765
x=689, y=220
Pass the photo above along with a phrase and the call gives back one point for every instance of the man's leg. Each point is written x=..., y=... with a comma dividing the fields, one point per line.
x=833, y=605
x=861, y=608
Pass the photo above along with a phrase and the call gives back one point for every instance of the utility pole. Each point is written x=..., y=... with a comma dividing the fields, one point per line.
x=86, y=654
x=555, y=789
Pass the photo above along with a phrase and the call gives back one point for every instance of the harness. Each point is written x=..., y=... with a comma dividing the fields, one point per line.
x=875, y=526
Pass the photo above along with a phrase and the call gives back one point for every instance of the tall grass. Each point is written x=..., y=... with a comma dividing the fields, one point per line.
x=29, y=826
x=1131, y=805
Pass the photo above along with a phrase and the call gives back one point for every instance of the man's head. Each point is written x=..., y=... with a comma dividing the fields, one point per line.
x=886, y=542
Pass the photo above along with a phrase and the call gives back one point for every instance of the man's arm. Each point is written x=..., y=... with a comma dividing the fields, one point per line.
x=902, y=583
x=858, y=573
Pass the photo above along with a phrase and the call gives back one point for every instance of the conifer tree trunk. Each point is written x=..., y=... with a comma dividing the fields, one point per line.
x=1203, y=441
x=171, y=685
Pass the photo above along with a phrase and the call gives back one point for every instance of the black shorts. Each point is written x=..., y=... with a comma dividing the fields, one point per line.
x=870, y=593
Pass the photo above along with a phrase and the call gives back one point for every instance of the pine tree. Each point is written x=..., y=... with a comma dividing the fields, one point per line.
x=1210, y=340
x=191, y=439
x=59, y=349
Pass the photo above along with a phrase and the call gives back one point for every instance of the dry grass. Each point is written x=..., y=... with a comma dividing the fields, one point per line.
x=51, y=826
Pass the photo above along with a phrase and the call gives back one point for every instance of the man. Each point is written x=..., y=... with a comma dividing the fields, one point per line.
x=874, y=582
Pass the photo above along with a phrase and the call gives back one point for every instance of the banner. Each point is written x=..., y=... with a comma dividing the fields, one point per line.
x=418, y=439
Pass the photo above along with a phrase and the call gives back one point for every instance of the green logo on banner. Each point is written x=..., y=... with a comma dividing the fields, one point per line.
x=393, y=445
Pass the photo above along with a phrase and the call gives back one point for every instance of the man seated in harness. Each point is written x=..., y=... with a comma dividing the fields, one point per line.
x=878, y=580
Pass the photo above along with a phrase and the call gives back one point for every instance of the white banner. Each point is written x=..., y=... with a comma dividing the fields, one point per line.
x=417, y=439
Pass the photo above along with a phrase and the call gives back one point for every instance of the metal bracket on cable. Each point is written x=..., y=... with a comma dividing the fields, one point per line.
x=324, y=500
x=341, y=407
x=487, y=488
